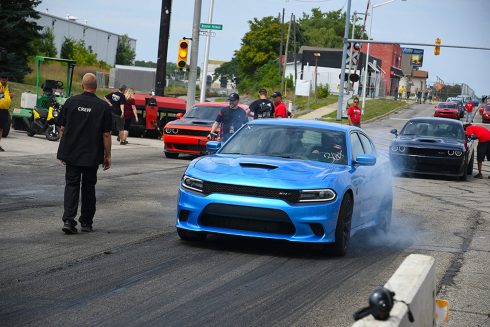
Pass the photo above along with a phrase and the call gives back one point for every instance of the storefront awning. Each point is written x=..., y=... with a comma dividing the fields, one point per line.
x=396, y=72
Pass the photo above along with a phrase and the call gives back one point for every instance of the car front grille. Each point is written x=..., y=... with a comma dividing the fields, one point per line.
x=189, y=147
x=245, y=218
x=261, y=192
x=193, y=132
x=427, y=152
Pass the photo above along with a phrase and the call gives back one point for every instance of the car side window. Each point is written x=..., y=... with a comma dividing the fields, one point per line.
x=367, y=144
x=356, y=145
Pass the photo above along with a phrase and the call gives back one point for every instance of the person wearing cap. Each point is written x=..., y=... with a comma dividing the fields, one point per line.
x=5, y=100
x=117, y=100
x=483, y=149
x=280, y=110
x=230, y=118
x=354, y=113
x=262, y=107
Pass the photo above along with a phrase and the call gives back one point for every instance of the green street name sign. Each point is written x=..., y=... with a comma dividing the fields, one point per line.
x=205, y=26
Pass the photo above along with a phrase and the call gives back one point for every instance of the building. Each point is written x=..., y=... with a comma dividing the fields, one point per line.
x=419, y=80
x=327, y=64
x=391, y=57
x=98, y=41
x=414, y=79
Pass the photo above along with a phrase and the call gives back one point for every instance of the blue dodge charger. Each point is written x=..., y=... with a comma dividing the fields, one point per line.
x=289, y=179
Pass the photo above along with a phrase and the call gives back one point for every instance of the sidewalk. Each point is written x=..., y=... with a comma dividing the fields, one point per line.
x=320, y=112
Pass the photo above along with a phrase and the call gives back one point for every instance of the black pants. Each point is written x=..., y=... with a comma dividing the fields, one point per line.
x=88, y=177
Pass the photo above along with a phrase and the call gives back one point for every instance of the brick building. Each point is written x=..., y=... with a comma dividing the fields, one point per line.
x=391, y=60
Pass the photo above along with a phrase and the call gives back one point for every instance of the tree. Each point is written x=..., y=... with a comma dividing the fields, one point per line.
x=125, y=54
x=227, y=71
x=19, y=30
x=44, y=45
x=68, y=48
x=76, y=50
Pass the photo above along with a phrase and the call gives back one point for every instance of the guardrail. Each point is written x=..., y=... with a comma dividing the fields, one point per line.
x=414, y=283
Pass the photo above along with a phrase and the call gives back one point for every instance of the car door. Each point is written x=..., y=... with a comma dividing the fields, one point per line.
x=360, y=180
x=376, y=182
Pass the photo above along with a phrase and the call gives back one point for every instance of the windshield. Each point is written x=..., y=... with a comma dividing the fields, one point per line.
x=447, y=105
x=289, y=142
x=433, y=129
x=203, y=112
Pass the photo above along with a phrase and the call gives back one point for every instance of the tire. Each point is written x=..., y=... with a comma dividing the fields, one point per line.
x=469, y=168
x=30, y=133
x=343, y=229
x=171, y=155
x=190, y=236
x=385, y=223
x=6, y=131
x=53, y=136
x=464, y=177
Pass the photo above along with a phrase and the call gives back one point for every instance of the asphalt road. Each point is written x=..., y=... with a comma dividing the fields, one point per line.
x=134, y=270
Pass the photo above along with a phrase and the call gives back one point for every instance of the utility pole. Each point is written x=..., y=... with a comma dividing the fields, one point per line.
x=204, y=73
x=161, y=75
x=286, y=56
x=191, y=86
x=344, y=55
x=280, y=48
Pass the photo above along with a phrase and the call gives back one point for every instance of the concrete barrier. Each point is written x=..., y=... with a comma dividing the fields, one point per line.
x=414, y=283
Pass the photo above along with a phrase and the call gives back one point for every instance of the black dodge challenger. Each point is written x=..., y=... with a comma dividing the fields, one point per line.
x=433, y=146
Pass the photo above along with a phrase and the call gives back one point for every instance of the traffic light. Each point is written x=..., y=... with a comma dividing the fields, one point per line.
x=437, y=48
x=182, y=54
x=355, y=46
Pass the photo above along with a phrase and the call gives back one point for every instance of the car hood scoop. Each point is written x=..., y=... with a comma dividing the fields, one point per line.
x=271, y=172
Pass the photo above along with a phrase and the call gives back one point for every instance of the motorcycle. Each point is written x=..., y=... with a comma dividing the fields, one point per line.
x=45, y=121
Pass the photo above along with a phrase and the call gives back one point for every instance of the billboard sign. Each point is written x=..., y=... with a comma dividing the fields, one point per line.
x=416, y=56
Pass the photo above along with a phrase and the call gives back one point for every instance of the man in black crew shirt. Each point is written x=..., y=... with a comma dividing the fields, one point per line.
x=231, y=118
x=85, y=144
x=262, y=107
x=117, y=100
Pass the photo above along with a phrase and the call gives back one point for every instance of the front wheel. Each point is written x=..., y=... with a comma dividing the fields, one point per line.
x=343, y=229
x=191, y=236
x=53, y=133
x=469, y=168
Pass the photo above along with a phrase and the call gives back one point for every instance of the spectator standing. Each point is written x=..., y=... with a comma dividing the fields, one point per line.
x=130, y=113
x=280, y=110
x=262, y=107
x=85, y=144
x=419, y=96
x=483, y=149
x=5, y=100
x=401, y=90
x=354, y=113
x=469, y=110
x=425, y=95
x=230, y=118
x=117, y=100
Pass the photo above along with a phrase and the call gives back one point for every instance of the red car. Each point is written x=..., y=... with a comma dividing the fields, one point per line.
x=188, y=135
x=447, y=110
x=485, y=113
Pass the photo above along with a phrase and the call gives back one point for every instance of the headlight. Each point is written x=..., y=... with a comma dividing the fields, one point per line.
x=450, y=152
x=401, y=148
x=458, y=153
x=168, y=130
x=394, y=148
x=55, y=113
x=175, y=130
x=323, y=195
x=192, y=184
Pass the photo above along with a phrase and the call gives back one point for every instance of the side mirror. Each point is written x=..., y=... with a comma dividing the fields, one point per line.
x=179, y=115
x=473, y=137
x=365, y=160
x=213, y=146
x=394, y=131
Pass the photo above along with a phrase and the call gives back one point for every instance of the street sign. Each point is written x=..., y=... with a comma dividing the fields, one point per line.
x=206, y=26
x=206, y=33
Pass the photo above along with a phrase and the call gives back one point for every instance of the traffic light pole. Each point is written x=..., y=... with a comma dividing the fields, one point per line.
x=161, y=75
x=191, y=86
x=419, y=44
x=204, y=73
x=344, y=57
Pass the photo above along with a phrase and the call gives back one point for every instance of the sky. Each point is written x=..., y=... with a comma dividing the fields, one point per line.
x=455, y=22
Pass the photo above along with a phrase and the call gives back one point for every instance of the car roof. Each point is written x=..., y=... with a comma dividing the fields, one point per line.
x=218, y=104
x=448, y=102
x=305, y=123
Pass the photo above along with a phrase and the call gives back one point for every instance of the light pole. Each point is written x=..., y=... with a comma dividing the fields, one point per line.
x=204, y=74
x=344, y=56
x=364, y=80
x=316, y=54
